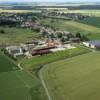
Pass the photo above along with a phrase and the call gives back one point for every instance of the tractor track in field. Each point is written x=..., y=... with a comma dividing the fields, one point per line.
x=44, y=85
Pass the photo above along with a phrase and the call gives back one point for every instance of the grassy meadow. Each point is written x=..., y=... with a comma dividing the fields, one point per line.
x=35, y=62
x=95, y=13
x=73, y=27
x=19, y=85
x=77, y=78
x=7, y=64
x=94, y=21
x=16, y=35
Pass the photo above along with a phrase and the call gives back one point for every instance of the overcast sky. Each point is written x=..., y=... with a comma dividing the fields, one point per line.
x=50, y=0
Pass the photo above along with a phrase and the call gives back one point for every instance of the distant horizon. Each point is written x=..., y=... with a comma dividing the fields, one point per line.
x=51, y=1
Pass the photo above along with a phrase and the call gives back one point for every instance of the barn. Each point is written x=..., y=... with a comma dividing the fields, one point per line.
x=42, y=51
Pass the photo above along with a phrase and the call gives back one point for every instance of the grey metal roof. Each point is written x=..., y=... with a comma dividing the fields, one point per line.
x=95, y=42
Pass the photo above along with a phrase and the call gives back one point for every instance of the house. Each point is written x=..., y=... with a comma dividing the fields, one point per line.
x=24, y=47
x=94, y=44
x=15, y=50
x=33, y=42
x=41, y=42
x=75, y=40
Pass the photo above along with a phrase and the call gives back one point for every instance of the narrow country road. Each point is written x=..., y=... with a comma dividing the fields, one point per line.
x=44, y=85
x=20, y=67
x=42, y=81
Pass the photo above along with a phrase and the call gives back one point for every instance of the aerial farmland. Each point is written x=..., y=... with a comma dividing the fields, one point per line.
x=75, y=78
x=49, y=50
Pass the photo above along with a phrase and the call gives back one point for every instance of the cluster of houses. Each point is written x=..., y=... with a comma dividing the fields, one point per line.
x=53, y=40
x=14, y=18
x=10, y=19
x=32, y=25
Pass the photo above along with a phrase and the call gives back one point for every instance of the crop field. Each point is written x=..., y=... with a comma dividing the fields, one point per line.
x=35, y=62
x=94, y=21
x=19, y=11
x=16, y=35
x=18, y=84
x=6, y=64
x=77, y=78
x=95, y=13
x=73, y=27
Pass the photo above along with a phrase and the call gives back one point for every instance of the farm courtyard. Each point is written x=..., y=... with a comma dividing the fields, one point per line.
x=77, y=78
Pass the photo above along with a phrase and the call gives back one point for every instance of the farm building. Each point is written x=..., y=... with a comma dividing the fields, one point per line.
x=58, y=49
x=15, y=50
x=33, y=42
x=95, y=44
x=75, y=40
x=41, y=51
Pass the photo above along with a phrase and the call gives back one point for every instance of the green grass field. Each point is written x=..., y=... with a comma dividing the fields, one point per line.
x=35, y=62
x=18, y=84
x=6, y=64
x=94, y=21
x=16, y=35
x=77, y=78
x=71, y=26
x=95, y=13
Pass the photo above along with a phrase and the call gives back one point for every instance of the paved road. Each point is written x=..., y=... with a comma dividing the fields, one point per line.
x=44, y=85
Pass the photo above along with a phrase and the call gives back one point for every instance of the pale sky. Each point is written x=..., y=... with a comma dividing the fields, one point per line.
x=50, y=0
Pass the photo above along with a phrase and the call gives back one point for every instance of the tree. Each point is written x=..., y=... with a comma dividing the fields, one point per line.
x=84, y=38
x=60, y=35
x=52, y=36
x=34, y=19
x=2, y=31
x=78, y=35
x=63, y=39
x=44, y=33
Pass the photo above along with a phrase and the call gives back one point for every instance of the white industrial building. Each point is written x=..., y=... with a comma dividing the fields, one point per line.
x=15, y=50
x=94, y=44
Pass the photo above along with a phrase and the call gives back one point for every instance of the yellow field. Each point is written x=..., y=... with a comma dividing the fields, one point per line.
x=19, y=11
x=86, y=12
